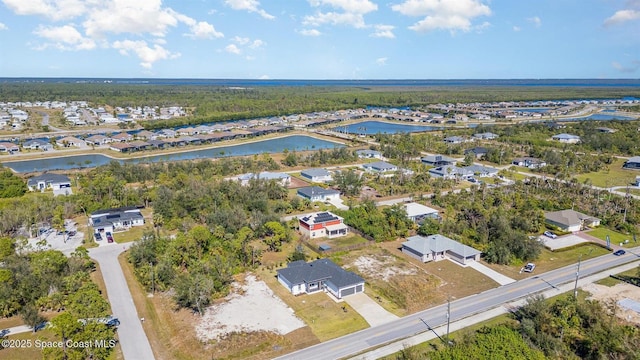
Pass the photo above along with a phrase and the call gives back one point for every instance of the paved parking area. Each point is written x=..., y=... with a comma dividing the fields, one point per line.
x=370, y=310
x=63, y=242
x=562, y=241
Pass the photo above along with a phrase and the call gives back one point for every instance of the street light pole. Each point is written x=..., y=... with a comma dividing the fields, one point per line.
x=448, y=318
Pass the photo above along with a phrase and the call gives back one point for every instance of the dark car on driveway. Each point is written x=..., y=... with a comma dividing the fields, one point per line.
x=619, y=252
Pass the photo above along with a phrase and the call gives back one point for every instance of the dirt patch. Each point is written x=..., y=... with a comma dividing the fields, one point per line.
x=381, y=267
x=297, y=183
x=611, y=295
x=245, y=311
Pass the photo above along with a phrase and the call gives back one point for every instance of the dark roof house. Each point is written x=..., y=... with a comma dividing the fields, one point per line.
x=301, y=277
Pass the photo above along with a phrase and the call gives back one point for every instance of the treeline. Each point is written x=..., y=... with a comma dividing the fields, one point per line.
x=220, y=103
x=559, y=329
x=386, y=224
x=46, y=280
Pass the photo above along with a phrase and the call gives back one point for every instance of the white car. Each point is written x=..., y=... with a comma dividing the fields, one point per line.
x=529, y=267
x=550, y=234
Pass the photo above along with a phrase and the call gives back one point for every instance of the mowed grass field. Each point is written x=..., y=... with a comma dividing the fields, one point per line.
x=613, y=175
x=615, y=237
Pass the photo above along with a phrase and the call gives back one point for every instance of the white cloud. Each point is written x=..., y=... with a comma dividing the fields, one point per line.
x=635, y=65
x=349, y=6
x=240, y=40
x=480, y=28
x=147, y=55
x=622, y=16
x=92, y=22
x=351, y=13
x=310, y=32
x=536, y=21
x=257, y=44
x=250, y=6
x=382, y=61
x=264, y=77
x=52, y=9
x=517, y=28
x=233, y=49
x=384, y=31
x=63, y=38
x=452, y=15
x=204, y=30
x=3, y=26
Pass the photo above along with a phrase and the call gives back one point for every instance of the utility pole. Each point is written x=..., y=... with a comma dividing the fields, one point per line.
x=575, y=287
x=448, y=318
x=153, y=283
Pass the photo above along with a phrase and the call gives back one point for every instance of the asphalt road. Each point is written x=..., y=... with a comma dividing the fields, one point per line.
x=360, y=341
x=133, y=340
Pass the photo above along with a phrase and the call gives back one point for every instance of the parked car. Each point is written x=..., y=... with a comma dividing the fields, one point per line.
x=113, y=322
x=549, y=234
x=98, y=236
x=619, y=252
x=109, y=238
x=72, y=233
x=529, y=267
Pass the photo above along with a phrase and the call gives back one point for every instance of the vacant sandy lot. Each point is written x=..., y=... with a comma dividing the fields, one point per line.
x=250, y=307
x=608, y=295
x=381, y=267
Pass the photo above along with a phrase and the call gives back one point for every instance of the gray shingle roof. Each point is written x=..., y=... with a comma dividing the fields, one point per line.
x=312, y=191
x=315, y=172
x=49, y=179
x=323, y=269
x=438, y=243
x=568, y=217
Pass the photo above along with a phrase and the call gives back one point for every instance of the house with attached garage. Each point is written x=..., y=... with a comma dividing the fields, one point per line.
x=283, y=178
x=477, y=151
x=570, y=220
x=529, y=162
x=60, y=184
x=322, y=224
x=300, y=277
x=380, y=167
x=438, y=160
x=451, y=172
x=632, y=163
x=9, y=147
x=37, y=144
x=438, y=247
x=481, y=171
x=566, y=138
x=109, y=220
x=97, y=140
x=70, y=141
x=417, y=212
x=369, y=154
x=316, y=193
x=486, y=136
x=316, y=175
x=454, y=140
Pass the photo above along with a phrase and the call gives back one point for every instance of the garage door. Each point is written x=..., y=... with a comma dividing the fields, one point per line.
x=349, y=291
x=359, y=288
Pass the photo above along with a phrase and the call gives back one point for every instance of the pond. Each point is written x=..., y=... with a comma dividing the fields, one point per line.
x=277, y=145
x=381, y=127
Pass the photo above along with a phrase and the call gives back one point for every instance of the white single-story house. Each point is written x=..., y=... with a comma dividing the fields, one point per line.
x=486, y=136
x=454, y=140
x=438, y=247
x=632, y=163
x=566, y=138
x=98, y=140
x=9, y=147
x=106, y=221
x=369, y=154
x=316, y=193
x=70, y=141
x=417, y=212
x=481, y=171
x=529, y=162
x=570, y=220
x=450, y=172
x=37, y=144
x=300, y=277
x=477, y=151
x=380, y=166
x=316, y=175
x=438, y=160
x=322, y=224
x=284, y=179
x=60, y=184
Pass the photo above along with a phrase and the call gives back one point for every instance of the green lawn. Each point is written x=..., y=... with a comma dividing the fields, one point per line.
x=616, y=237
x=612, y=282
x=613, y=175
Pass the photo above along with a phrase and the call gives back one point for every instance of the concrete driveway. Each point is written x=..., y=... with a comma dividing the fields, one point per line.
x=369, y=309
x=133, y=340
x=494, y=275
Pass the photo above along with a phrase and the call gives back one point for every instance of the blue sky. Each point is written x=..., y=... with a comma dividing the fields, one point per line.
x=321, y=39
